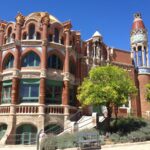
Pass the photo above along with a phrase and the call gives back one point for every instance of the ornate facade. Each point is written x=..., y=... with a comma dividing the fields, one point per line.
x=42, y=62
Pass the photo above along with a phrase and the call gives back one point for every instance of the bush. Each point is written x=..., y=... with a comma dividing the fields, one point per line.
x=130, y=130
x=137, y=136
x=66, y=141
x=127, y=125
x=49, y=143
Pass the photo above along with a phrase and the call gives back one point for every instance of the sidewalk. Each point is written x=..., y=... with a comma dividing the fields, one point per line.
x=128, y=146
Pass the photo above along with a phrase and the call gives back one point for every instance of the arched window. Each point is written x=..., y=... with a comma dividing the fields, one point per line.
x=31, y=31
x=31, y=59
x=54, y=62
x=56, y=33
x=38, y=36
x=24, y=37
x=9, y=62
x=9, y=35
x=26, y=134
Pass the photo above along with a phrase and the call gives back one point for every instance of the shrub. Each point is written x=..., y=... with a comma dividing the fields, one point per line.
x=66, y=141
x=49, y=143
x=137, y=136
x=115, y=137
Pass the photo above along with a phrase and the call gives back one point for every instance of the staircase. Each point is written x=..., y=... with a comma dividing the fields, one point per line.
x=85, y=122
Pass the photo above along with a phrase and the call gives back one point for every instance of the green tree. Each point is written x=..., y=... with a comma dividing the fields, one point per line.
x=148, y=92
x=108, y=85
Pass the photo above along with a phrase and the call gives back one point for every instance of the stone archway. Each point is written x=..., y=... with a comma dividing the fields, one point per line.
x=26, y=134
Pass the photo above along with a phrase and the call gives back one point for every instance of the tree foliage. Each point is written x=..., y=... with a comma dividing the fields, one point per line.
x=107, y=85
x=148, y=92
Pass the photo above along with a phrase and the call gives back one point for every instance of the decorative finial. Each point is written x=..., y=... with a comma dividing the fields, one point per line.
x=137, y=15
x=20, y=18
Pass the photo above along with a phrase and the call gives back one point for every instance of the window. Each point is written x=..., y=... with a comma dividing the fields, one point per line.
x=9, y=35
x=9, y=62
x=6, y=92
x=31, y=59
x=54, y=62
x=53, y=92
x=31, y=31
x=29, y=90
x=56, y=33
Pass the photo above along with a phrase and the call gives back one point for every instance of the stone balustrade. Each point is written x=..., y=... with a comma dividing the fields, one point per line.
x=34, y=109
x=4, y=110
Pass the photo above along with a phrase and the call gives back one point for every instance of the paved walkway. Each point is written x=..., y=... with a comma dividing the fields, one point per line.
x=128, y=146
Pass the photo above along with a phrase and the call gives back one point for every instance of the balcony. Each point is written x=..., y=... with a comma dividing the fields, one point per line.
x=34, y=109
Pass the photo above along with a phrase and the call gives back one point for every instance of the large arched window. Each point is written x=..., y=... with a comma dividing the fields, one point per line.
x=9, y=62
x=31, y=31
x=56, y=33
x=31, y=59
x=9, y=35
x=54, y=62
x=26, y=134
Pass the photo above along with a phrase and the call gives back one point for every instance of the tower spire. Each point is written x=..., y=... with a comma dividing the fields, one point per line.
x=139, y=42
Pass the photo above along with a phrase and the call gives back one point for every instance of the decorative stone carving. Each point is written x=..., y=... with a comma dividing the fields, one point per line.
x=67, y=26
x=20, y=19
x=45, y=18
x=17, y=42
x=16, y=73
x=66, y=76
x=43, y=73
x=44, y=43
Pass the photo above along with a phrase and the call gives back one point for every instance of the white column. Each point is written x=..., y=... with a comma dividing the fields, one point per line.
x=137, y=62
x=147, y=58
x=143, y=59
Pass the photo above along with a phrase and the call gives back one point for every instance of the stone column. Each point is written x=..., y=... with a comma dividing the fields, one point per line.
x=65, y=94
x=1, y=43
x=17, y=60
x=45, y=23
x=143, y=58
x=147, y=57
x=137, y=62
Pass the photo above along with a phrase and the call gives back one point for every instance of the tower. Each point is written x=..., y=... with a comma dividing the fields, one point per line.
x=140, y=56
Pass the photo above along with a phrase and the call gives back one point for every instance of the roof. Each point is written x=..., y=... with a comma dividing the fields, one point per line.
x=138, y=22
x=96, y=34
x=38, y=15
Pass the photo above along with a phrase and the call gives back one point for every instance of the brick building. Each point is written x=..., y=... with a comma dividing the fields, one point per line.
x=42, y=62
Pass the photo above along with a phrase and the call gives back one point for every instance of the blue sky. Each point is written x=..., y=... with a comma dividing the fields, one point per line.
x=113, y=18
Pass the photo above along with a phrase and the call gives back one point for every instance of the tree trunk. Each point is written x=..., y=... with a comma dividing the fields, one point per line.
x=108, y=119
